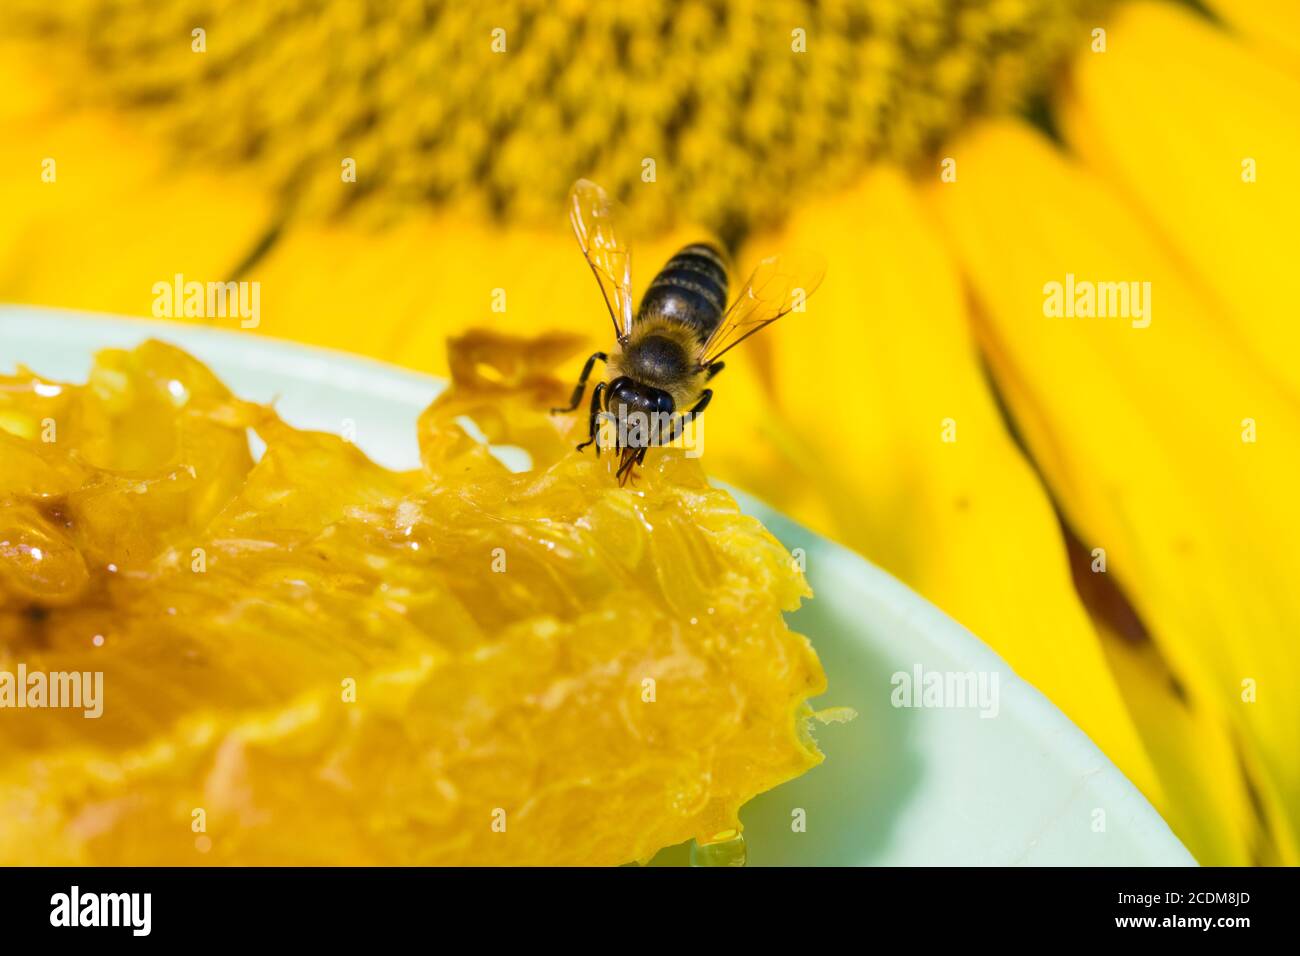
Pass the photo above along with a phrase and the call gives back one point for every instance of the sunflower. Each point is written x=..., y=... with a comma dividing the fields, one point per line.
x=1050, y=382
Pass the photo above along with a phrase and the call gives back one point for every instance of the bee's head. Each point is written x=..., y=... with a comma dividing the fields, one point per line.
x=641, y=412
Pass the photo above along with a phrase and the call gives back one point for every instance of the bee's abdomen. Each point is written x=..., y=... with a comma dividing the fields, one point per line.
x=691, y=288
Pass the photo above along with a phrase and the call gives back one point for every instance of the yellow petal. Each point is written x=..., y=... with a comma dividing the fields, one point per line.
x=1141, y=433
x=869, y=383
x=94, y=216
x=1207, y=802
x=1271, y=25
x=1181, y=115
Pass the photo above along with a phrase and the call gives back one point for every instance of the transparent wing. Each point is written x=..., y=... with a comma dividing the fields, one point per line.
x=781, y=284
x=595, y=219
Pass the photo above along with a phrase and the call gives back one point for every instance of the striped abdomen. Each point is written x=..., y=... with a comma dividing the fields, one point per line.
x=691, y=288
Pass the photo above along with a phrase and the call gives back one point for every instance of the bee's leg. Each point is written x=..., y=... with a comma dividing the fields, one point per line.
x=714, y=369
x=679, y=422
x=627, y=470
x=582, y=383
x=593, y=424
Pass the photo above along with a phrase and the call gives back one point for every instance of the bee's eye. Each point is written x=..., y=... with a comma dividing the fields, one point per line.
x=664, y=403
x=622, y=392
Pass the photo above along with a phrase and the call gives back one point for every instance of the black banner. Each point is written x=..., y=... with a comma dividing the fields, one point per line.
x=337, y=905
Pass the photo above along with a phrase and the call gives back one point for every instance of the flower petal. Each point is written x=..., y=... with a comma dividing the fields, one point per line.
x=1144, y=436
x=93, y=217
x=1207, y=803
x=1272, y=25
x=1181, y=115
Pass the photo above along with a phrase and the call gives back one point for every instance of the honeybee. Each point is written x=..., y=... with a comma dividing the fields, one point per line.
x=670, y=348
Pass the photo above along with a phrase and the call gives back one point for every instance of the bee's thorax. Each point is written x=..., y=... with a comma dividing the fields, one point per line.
x=663, y=354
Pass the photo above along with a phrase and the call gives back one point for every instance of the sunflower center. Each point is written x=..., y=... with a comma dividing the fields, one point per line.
x=723, y=112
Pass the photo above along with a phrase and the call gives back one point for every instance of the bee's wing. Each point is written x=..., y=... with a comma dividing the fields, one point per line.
x=779, y=285
x=596, y=223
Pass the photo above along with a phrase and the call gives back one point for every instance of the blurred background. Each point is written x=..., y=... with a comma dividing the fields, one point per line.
x=1107, y=500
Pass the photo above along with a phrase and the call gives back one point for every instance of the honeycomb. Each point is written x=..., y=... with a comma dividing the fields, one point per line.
x=310, y=659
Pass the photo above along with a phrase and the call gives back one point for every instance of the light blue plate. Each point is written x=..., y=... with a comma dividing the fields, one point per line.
x=900, y=785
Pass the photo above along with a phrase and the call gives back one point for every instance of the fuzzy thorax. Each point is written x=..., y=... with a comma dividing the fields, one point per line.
x=665, y=354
